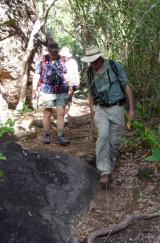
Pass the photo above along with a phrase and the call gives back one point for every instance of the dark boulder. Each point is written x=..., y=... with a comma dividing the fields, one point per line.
x=42, y=193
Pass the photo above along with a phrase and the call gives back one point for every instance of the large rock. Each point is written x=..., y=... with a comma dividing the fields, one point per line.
x=41, y=194
x=17, y=19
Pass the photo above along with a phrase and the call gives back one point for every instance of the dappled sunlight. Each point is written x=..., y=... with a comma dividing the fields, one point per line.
x=79, y=108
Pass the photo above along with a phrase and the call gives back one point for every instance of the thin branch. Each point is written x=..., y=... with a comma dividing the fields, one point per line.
x=137, y=26
x=69, y=32
x=118, y=227
x=47, y=9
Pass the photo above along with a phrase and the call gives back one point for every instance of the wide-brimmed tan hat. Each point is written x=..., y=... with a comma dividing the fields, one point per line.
x=65, y=52
x=92, y=53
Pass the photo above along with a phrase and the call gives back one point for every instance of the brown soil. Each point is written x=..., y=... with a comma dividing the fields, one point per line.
x=134, y=188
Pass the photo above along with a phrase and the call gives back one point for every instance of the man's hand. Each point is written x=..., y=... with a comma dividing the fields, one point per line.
x=131, y=114
x=78, y=86
x=70, y=93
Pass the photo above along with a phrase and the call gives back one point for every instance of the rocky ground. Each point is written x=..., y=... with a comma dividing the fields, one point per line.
x=134, y=188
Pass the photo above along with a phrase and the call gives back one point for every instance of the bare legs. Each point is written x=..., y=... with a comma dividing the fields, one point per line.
x=47, y=113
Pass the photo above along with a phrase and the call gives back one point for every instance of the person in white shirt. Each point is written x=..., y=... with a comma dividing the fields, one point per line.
x=72, y=76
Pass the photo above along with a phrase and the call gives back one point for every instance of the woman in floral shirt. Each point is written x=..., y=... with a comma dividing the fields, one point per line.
x=53, y=91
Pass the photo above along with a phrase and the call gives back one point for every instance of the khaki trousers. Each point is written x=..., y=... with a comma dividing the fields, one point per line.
x=110, y=124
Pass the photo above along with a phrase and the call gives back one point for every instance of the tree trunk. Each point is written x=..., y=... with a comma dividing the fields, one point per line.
x=40, y=22
x=3, y=105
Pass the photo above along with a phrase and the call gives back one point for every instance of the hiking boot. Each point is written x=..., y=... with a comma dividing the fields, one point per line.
x=105, y=180
x=47, y=138
x=62, y=141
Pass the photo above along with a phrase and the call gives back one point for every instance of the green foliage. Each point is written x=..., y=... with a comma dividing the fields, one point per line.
x=2, y=175
x=150, y=138
x=62, y=28
x=8, y=23
x=155, y=157
x=143, y=58
x=127, y=31
x=128, y=142
x=140, y=111
x=25, y=109
x=145, y=134
x=2, y=157
x=7, y=127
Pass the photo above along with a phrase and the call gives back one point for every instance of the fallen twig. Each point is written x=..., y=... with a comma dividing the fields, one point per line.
x=118, y=227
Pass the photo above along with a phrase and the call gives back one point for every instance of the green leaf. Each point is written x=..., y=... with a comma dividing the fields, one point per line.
x=2, y=175
x=8, y=23
x=138, y=125
x=155, y=155
x=2, y=157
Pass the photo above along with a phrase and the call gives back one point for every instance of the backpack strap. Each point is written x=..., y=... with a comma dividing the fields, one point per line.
x=44, y=60
x=90, y=76
x=113, y=67
x=115, y=70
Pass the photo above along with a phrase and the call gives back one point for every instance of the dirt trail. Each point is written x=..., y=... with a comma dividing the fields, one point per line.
x=134, y=188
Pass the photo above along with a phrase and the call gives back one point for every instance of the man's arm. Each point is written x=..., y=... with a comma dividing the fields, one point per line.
x=122, y=76
x=91, y=110
x=129, y=95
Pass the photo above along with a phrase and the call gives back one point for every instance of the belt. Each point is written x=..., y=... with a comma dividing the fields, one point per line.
x=119, y=102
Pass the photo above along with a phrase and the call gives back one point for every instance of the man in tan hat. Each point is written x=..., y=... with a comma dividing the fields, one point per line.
x=108, y=87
